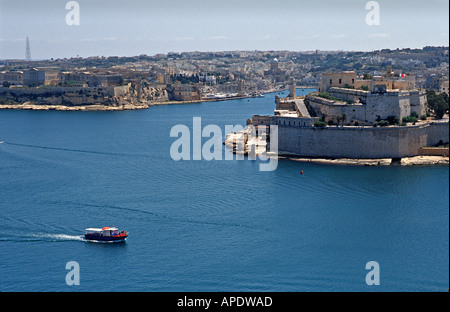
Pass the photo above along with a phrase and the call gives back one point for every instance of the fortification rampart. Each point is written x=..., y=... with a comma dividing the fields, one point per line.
x=360, y=142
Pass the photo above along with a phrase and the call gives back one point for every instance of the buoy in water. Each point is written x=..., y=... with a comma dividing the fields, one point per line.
x=301, y=171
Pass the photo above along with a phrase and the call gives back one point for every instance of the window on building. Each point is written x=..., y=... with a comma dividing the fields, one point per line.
x=340, y=81
x=331, y=81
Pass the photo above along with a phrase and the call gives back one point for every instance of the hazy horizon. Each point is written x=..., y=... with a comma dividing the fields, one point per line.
x=130, y=28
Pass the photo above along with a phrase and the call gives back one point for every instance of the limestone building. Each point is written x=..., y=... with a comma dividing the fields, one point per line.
x=105, y=80
x=41, y=76
x=184, y=92
x=11, y=77
x=391, y=80
x=338, y=80
x=274, y=72
x=443, y=86
x=364, y=101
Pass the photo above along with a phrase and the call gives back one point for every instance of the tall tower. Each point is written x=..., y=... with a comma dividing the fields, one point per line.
x=27, y=51
x=292, y=88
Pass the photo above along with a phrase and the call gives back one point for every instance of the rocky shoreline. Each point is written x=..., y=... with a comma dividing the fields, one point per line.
x=32, y=106
x=114, y=107
x=406, y=161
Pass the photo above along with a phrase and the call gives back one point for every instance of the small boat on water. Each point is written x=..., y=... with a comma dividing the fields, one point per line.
x=105, y=234
x=255, y=94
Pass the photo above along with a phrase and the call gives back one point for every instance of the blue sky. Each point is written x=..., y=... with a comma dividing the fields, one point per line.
x=133, y=27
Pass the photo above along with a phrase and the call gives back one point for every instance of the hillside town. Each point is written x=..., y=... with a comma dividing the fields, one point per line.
x=140, y=81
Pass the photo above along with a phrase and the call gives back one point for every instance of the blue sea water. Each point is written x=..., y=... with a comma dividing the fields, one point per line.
x=206, y=225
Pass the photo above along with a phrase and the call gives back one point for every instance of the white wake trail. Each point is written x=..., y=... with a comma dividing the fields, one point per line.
x=59, y=237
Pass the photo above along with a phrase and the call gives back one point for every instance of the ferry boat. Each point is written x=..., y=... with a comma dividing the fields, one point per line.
x=105, y=234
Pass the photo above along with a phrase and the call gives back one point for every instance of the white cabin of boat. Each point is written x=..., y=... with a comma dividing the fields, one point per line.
x=105, y=231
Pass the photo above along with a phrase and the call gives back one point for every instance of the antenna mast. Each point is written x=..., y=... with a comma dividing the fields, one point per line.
x=28, y=51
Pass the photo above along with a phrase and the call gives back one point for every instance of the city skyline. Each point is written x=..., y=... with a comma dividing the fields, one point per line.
x=118, y=28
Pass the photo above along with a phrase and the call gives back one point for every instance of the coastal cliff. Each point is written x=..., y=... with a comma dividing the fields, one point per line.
x=126, y=97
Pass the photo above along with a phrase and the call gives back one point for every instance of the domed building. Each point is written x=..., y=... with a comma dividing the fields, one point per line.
x=275, y=73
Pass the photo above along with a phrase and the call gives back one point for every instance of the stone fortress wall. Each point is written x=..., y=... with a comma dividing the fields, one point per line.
x=357, y=142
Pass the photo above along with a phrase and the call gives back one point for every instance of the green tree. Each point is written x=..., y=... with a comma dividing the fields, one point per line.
x=439, y=103
x=320, y=124
x=364, y=87
x=393, y=120
x=441, y=107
